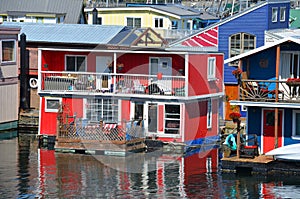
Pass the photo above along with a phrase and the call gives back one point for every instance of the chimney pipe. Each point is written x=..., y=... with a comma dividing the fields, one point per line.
x=95, y=16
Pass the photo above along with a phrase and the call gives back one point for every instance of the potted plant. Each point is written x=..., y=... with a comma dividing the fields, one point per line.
x=293, y=82
x=235, y=116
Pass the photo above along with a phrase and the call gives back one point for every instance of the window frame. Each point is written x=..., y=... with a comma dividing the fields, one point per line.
x=14, y=53
x=160, y=22
x=211, y=68
x=274, y=18
x=238, y=41
x=294, y=130
x=133, y=22
x=99, y=107
x=76, y=67
x=282, y=14
x=172, y=117
x=209, y=113
x=52, y=110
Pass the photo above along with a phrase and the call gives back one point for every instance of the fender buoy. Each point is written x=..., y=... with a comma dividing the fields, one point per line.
x=33, y=82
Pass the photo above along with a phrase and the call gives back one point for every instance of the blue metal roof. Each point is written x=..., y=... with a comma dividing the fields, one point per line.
x=67, y=33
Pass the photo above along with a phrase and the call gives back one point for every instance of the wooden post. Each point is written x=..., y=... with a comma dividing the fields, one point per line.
x=276, y=97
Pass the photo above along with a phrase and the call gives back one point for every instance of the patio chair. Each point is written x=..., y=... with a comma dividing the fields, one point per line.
x=138, y=87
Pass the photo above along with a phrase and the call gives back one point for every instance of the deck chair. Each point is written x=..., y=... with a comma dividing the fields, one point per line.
x=138, y=87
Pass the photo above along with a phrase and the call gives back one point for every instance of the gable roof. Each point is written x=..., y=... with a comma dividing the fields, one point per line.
x=67, y=33
x=217, y=24
x=71, y=8
x=262, y=48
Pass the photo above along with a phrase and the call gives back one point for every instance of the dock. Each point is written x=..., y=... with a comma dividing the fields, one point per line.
x=28, y=121
x=260, y=165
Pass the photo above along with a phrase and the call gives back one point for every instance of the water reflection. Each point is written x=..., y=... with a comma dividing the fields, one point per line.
x=29, y=172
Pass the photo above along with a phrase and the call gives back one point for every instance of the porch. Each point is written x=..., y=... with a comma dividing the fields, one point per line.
x=109, y=83
x=104, y=139
x=265, y=90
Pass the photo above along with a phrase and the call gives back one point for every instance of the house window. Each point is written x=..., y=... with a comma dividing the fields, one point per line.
x=134, y=22
x=52, y=104
x=282, y=13
x=102, y=109
x=209, y=113
x=99, y=20
x=159, y=23
x=175, y=25
x=274, y=14
x=241, y=43
x=211, y=68
x=296, y=123
x=75, y=63
x=8, y=51
x=172, y=119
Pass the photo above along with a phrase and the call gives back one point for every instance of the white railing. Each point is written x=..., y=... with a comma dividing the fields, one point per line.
x=113, y=83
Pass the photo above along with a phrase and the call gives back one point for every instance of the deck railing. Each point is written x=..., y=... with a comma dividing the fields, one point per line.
x=113, y=83
x=97, y=132
x=265, y=90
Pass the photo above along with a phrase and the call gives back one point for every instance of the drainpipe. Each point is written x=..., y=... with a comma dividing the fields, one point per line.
x=276, y=96
x=24, y=73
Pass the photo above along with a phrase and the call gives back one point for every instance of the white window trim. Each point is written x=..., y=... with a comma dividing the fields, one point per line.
x=15, y=52
x=126, y=17
x=273, y=10
x=294, y=136
x=154, y=18
x=180, y=122
x=211, y=76
x=283, y=8
x=70, y=55
x=49, y=110
x=209, y=113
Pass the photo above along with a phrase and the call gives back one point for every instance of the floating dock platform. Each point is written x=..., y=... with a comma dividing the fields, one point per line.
x=262, y=164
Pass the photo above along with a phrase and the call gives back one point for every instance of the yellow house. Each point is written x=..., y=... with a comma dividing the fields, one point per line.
x=166, y=19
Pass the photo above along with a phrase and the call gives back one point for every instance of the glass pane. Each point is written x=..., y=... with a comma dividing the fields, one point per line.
x=137, y=22
x=8, y=51
x=153, y=66
x=80, y=63
x=130, y=22
x=70, y=63
x=152, y=118
x=297, y=123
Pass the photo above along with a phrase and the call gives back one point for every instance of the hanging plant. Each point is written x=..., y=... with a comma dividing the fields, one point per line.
x=235, y=116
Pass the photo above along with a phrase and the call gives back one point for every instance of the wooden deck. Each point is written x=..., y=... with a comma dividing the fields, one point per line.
x=264, y=165
x=118, y=148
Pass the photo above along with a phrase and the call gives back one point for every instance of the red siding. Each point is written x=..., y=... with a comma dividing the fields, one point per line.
x=49, y=119
x=196, y=120
x=198, y=81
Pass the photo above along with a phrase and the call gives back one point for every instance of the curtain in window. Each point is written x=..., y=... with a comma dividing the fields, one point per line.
x=284, y=70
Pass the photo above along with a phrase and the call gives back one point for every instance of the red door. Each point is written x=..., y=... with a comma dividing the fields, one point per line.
x=269, y=129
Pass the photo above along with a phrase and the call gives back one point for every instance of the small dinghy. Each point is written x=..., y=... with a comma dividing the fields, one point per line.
x=290, y=152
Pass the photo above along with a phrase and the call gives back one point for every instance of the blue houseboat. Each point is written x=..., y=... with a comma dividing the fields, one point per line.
x=269, y=87
x=239, y=33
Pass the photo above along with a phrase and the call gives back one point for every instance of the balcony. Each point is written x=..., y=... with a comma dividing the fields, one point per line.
x=113, y=84
x=265, y=91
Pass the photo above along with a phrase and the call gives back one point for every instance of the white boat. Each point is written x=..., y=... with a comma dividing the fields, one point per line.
x=290, y=152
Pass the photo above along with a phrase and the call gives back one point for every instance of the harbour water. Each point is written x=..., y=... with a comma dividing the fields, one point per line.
x=29, y=172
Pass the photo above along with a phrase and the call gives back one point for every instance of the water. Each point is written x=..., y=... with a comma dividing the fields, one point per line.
x=29, y=172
